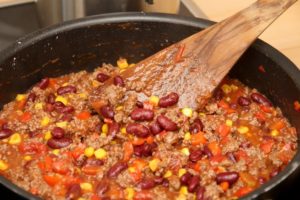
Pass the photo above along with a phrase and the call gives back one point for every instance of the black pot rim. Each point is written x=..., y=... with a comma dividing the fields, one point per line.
x=264, y=48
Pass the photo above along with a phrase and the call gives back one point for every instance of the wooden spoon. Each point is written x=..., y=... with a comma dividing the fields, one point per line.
x=195, y=66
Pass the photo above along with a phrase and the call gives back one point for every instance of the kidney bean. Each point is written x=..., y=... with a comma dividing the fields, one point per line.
x=144, y=149
x=185, y=178
x=80, y=161
x=113, y=129
x=155, y=128
x=139, y=104
x=116, y=169
x=118, y=81
x=233, y=105
x=196, y=155
x=231, y=157
x=101, y=77
x=94, y=162
x=261, y=180
x=196, y=126
x=66, y=89
x=140, y=114
x=147, y=184
x=67, y=109
x=73, y=192
x=230, y=177
x=244, y=101
x=274, y=173
x=165, y=183
x=166, y=123
x=158, y=179
x=193, y=183
x=31, y=97
x=5, y=133
x=51, y=98
x=58, y=133
x=168, y=100
x=43, y=84
x=4, y=126
x=138, y=130
x=260, y=99
x=218, y=95
x=59, y=143
x=102, y=188
x=67, y=117
x=107, y=112
x=207, y=152
x=58, y=106
x=33, y=133
x=98, y=127
x=200, y=193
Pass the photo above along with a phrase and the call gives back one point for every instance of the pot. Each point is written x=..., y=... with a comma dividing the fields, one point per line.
x=85, y=43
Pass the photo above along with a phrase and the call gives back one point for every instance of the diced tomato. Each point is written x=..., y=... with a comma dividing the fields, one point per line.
x=243, y=191
x=139, y=164
x=21, y=104
x=52, y=83
x=128, y=150
x=214, y=148
x=223, y=130
x=266, y=146
x=241, y=155
x=136, y=175
x=278, y=125
x=260, y=116
x=266, y=109
x=248, y=179
x=51, y=180
x=143, y=195
x=217, y=158
x=71, y=180
x=32, y=148
x=25, y=117
x=48, y=163
x=90, y=170
x=297, y=106
x=84, y=115
x=60, y=167
x=224, y=186
x=150, y=139
x=148, y=105
x=108, y=121
x=78, y=151
x=95, y=197
x=179, y=54
x=98, y=104
x=198, y=138
x=223, y=104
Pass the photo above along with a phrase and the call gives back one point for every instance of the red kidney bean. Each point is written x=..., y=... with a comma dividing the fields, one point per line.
x=107, y=112
x=139, y=104
x=44, y=83
x=51, y=98
x=58, y=133
x=80, y=161
x=233, y=105
x=59, y=143
x=4, y=126
x=244, y=101
x=31, y=97
x=168, y=100
x=147, y=184
x=185, y=178
x=166, y=123
x=58, y=106
x=193, y=183
x=261, y=180
x=196, y=155
x=138, y=130
x=113, y=129
x=116, y=169
x=196, y=126
x=231, y=157
x=260, y=99
x=118, y=81
x=5, y=133
x=155, y=128
x=218, y=95
x=33, y=133
x=94, y=162
x=101, y=77
x=140, y=114
x=200, y=193
x=230, y=177
x=158, y=179
x=66, y=89
x=274, y=173
x=144, y=149
x=165, y=183
x=67, y=117
x=102, y=188
x=73, y=192
x=207, y=152
x=67, y=109
x=98, y=127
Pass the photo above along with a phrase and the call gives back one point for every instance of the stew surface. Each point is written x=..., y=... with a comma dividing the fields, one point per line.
x=68, y=139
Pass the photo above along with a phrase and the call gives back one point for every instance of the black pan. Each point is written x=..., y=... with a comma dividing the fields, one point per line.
x=86, y=43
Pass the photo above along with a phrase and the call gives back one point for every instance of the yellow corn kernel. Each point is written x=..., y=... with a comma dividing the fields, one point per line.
x=181, y=172
x=83, y=95
x=15, y=139
x=62, y=124
x=132, y=64
x=103, y=135
x=3, y=165
x=274, y=132
x=105, y=128
x=187, y=112
x=243, y=129
x=100, y=153
x=62, y=99
x=234, y=87
x=56, y=152
x=38, y=106
x=48, y=135
x=20, y=97
x=65, y=84
x=131, y=169
x=154, y=100
x=45, y=121
x=168, y=174
x=202, y=114
x=89, y=151
x=226, y=88
x=119, y=108
x=95, y=83
x=185, y=151
x=86, y=187
x=129, y=193
x=183, y=190
x=181, y=197
x=187, y=136
x=123, y=130
x=229, y=122
x=122, y=63
x=27, y=158
x=153, y=164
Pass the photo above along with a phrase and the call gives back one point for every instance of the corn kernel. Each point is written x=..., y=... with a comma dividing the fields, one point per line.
x=20, y=97
x=103, y=135
x=132, y=64
x=15, y=139
x=100, y=153
x=181, y=197
x=89, y=151
x=3, y=165
x=56, y=152
x=181, y=172
x=131, y=169
x=45, y=121
x=243, y=129
x=105, y=128
x=62, y=124
x=153, y=164
x=65, y=84
x=234, y=87
x=187, y=136
x=48, y=135
x=86, y=187
x=226, y=88
x=122, y=63
x=129, y=193
x=119, y=108
x=38, y=106
x=62, y=99
x=229, y=122
x=187, y=112
x=183, y=190
x=154, y=100
x=202, y=114
x=274, y=132
x=95, y=83
x=27, y=158
x=185, y=151
x=123, y=130
x=168, y=174
x=83, y=95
